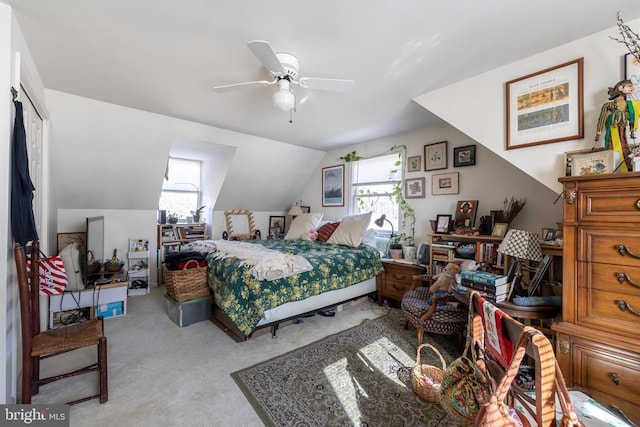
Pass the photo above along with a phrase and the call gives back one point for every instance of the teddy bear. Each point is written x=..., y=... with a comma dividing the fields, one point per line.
x=443, y=280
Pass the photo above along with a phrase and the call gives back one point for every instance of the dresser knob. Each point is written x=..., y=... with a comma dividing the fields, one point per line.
x=637, y=204
x=615, y=378
x=624, y=276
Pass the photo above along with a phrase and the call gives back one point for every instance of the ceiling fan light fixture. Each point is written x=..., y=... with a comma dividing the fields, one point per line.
x=283, y=98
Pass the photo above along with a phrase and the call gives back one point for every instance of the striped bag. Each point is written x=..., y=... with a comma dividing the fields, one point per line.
x=53, y=278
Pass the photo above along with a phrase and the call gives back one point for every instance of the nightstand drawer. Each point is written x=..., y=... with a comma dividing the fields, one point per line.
x=397, y=279
x=610, y=311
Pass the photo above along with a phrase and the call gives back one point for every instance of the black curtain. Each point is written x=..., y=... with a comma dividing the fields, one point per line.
x=23, y=224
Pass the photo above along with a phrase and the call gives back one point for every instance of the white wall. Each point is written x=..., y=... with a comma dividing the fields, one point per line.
x=489, y=181
x=119, y=226
x=479, y=107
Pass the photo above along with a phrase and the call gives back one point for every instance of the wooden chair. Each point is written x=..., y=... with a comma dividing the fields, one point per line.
x=37, y=345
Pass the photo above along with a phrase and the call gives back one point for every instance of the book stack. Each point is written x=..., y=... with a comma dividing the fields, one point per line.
x=494, y=287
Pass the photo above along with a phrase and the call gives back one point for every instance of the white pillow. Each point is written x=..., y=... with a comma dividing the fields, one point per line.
x=351, y=230
x=70, y=255
x=302, y=224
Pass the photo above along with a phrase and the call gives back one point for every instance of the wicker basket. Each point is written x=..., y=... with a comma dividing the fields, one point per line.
x=426, y=379
x=188, y=283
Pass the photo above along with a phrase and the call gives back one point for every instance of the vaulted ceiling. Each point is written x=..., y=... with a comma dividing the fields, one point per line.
x=165, y=56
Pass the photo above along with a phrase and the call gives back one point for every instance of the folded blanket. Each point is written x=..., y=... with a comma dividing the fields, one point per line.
x=266, y=264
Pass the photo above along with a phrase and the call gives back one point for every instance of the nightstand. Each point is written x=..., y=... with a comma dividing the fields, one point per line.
x=397, y=279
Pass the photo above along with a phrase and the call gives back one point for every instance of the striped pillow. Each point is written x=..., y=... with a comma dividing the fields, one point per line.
x=327, y=230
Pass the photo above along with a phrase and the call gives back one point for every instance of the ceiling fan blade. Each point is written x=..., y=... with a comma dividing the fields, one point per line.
x=263, y=51
x=333, y=85
x=245, y=85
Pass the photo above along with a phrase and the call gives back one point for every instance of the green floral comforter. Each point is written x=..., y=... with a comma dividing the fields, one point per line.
x=245, y=299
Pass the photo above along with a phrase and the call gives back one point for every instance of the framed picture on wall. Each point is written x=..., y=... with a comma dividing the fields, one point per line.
x=414, y=188
x=414, y=163
x=445, y=183
x=333, y=186
x=435, y=156
x=464, y=156
x=546, y=106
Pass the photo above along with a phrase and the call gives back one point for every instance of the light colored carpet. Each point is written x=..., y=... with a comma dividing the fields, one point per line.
x=163, y=375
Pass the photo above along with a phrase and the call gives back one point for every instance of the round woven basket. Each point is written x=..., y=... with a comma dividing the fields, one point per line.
x=113, y=267
x=426, y=379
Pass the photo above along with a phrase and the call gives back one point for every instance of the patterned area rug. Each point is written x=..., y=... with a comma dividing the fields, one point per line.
x=358, y=377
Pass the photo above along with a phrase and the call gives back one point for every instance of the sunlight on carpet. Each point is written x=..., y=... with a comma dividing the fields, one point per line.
x=355, y=377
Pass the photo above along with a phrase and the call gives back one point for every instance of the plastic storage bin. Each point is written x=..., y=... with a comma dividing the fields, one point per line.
x=188, y=312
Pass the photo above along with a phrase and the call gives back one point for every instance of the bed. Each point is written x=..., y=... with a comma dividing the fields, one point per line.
x=245, y=304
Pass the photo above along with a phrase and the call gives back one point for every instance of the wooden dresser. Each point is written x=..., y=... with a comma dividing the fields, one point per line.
x=598, y=338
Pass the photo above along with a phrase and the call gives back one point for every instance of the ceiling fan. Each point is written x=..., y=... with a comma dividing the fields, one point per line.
x=283, y=69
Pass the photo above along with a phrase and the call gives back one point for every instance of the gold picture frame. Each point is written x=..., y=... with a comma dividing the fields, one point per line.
x=499, y=229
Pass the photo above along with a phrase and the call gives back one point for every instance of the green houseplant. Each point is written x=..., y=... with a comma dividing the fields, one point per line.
x=197, y=213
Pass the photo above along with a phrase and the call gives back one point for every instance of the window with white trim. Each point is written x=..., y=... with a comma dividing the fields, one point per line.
x=372, y=183
x=181, y=192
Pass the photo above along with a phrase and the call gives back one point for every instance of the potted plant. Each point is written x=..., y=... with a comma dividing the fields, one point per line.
x=395, y=247
x=196, y=214
x=173, y=218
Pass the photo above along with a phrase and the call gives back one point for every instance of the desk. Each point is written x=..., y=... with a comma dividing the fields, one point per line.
x=88, y=298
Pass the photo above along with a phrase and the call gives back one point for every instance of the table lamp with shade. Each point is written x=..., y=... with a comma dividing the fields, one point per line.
x=295, y=211
x=521, y=245
x=380, y=223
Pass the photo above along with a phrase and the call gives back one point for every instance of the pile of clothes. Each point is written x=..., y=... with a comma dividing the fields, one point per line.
x=178, y=260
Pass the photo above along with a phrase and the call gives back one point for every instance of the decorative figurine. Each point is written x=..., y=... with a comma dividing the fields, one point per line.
x=615, y=115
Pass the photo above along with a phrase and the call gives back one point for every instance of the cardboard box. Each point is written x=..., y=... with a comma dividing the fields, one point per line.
x=111, y=309
x=186, y=313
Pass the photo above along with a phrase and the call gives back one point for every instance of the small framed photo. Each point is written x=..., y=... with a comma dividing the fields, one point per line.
x=445, y=183
x=306, y=209
x=435, y=156
x=414, y=188
x=464, y=156
x=548, y=234
x=333, y=186
x=414, y=163
x=499, y=229
x=466, y=213
x=442, y=224
x=276, y=225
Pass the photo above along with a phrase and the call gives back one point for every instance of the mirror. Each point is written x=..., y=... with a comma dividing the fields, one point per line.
x=95, y=246
x=240, y=225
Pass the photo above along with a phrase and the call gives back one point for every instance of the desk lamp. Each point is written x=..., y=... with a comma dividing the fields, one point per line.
x=522, y=245
x=380, y=222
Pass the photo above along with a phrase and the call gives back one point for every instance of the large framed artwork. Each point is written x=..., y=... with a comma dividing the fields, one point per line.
x=546, y=106
x=632, y=72
x=435, y=156
x=333, y=186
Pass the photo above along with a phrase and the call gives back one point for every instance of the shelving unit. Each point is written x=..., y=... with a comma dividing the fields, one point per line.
x=171, y=237
x=102, y=300
x=138, y=268
x=443, y=250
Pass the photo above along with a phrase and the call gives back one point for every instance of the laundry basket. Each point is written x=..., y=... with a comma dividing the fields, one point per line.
x=188, y=283
x=425, y=379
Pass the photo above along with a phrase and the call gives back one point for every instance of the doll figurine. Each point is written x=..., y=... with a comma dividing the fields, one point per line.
x=615, y=116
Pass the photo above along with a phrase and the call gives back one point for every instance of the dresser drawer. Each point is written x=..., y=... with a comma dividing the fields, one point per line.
x=609, y=204
x=607, y=371
x=397, y=279
x=621, y=279
x=609, y=245
x=609, y=311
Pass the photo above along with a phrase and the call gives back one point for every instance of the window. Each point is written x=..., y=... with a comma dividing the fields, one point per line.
x=373, y=181
x=181, y=192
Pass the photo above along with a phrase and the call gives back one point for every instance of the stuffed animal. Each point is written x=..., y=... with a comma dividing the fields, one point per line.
x=444, y=280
